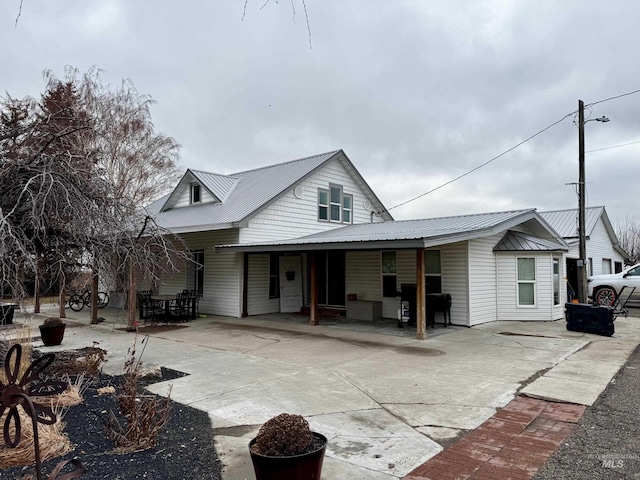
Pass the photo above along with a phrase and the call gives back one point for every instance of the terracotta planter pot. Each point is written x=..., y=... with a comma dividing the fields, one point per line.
x=307, y=466
x=52, y=335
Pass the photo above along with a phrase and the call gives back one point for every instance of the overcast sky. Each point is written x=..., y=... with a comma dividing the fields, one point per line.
x=415, y=92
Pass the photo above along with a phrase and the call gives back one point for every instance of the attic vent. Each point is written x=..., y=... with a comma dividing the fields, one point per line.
x=366, y=204
x=298, y=191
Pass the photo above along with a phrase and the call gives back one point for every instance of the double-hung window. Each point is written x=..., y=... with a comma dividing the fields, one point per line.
x=389, y=274
x=334, y=205
x=195, y=272
x=433, y=271
x=526, y=282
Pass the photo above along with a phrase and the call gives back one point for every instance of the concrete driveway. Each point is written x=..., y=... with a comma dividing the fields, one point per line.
x=387, y=403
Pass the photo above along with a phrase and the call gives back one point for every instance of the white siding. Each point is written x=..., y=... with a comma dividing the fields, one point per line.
x=455, y=281
x=599, y=246
x=544, y=309
x=365, y=280
x=258, y=301
x=482, y=280
x=222, y=274
x=291, y=217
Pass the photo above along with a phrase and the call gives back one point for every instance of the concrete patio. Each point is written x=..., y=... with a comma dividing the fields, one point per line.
x=386, y=401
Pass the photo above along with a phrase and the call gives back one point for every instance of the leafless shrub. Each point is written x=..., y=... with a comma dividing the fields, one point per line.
x=142, y=415
x=283, y=435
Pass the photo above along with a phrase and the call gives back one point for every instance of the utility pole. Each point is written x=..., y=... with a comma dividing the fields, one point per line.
x=582, y=263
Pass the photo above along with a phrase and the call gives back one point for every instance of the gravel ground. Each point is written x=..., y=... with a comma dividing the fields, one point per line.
x=185, y=448
x=606, y=442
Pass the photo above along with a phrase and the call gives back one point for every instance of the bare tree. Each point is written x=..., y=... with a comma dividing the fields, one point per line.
x=628, y=232
x=62, y=209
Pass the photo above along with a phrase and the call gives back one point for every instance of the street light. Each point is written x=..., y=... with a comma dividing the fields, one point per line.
x=582, y=263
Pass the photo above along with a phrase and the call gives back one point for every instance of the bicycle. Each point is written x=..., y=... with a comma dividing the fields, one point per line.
x=78, y=300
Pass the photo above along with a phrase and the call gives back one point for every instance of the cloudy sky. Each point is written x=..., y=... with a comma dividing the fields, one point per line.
x=416, y=93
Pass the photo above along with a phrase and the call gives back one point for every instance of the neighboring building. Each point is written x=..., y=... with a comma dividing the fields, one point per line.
x=604, y=254
x=311, y=232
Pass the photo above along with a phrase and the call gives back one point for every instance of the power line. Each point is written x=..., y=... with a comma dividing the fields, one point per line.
x=519, y=144
x=485, y=163
x=613, y=146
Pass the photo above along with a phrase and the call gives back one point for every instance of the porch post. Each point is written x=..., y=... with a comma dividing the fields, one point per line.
x=313, y=283
x=245, y=285
x=421, y=310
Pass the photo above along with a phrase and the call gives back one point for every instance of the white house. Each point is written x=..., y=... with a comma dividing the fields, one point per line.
x=312, y=233
x=604, y=254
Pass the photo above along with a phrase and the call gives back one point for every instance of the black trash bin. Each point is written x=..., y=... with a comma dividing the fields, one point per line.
x=587, y=318
x=6, y=313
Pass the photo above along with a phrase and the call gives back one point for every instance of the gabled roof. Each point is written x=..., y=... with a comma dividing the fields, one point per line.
x=421, y=233
x=243, y=195
x=565, y=222
x=519, y=242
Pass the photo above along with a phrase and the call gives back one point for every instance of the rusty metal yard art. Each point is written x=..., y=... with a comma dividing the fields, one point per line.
x=17, y=392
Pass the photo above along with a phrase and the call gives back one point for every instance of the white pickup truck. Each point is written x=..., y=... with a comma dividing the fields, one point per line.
x=604, y=289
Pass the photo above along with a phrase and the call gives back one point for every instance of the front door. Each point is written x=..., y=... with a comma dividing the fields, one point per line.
x=290, y=283
x=331, y=278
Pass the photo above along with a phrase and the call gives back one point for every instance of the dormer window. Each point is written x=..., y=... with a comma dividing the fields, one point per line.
x=195, y=193
x=334, y=205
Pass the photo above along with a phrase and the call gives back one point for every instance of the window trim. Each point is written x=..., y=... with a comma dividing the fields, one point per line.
x=528, y=282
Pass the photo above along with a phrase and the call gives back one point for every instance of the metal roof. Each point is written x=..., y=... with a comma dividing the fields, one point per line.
x=565, y=222
x=519, y=242
x=244, y=194
x=406, y=233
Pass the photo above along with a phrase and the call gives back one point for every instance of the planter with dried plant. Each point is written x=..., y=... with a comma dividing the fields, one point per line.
x=52, y=331
x=285, y=447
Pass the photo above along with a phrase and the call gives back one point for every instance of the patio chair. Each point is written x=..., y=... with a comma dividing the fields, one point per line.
x=150, y=309
x=179, y=308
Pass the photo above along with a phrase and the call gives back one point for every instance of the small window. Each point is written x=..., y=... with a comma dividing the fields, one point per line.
x=323, y=204
x=433, y=271
x=526, y=281
x=389, y=274
x=556, y=281
x=606, y=266
x=347, y=202
x=618, y=267
x=590, y=267
x=195, y=193
x=274, y=275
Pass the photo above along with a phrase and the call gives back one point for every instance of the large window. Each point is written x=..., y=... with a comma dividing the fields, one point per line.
x=556, y=281
x=195, y=272
x=526, y=281
x=433, y=271
x=334, y=205
x=274, y=275
x=389, y=274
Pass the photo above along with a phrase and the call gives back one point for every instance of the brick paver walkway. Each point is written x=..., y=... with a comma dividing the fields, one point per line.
x=513, y=444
